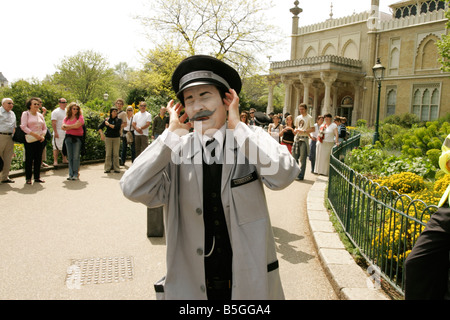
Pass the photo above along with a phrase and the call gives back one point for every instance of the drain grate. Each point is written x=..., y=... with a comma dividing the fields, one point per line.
x=99, y=271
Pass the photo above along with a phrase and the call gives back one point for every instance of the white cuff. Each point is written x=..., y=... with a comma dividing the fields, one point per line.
x=170, y=139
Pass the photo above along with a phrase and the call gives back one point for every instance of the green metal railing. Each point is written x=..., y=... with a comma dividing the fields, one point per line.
x=383, y=224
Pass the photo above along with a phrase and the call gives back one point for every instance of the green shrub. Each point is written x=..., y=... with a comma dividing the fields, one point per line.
x=405, y=120
x=362, y=123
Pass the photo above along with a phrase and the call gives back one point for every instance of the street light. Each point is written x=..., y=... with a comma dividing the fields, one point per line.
x=106, y=96
x=378, y=73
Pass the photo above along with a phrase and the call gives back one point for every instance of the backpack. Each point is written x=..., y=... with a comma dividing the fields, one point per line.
x=343, y=132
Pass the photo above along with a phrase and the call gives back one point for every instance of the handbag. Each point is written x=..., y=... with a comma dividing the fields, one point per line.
x=129, y=134
x=48, y=135
x=30, y=139
x=19, y=135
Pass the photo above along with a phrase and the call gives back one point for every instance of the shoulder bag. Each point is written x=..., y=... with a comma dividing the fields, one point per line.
x=129, y=134
x=19, y=134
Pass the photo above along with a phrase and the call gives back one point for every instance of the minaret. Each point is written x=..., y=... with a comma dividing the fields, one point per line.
x=331, y=13
x=295, y=11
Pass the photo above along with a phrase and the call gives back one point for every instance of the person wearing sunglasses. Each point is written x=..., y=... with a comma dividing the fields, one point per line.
x=33, y=124
x=7, y=128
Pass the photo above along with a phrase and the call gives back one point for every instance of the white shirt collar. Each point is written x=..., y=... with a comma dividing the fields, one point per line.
x=219, y=135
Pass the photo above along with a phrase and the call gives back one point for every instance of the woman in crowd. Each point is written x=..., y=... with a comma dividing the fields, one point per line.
x=287, y=134
x=327, y=138
x=128, y=128
x=33, y=124
x=73, y=126
x=275, y=128
x=244, y=117
x=313, y=144
x=112, y=140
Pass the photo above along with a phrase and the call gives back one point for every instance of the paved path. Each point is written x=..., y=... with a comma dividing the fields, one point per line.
x=45, y=227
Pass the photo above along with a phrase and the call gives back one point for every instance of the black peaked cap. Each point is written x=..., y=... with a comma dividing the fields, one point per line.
x=217, y=72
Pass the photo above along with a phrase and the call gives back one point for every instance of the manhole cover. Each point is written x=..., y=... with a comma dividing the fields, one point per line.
x=83, y=272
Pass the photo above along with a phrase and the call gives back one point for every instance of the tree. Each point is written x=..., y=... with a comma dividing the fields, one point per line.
x=232, y=30
x=155, y=77
x=444, y=46
x=20, y=91
x=86, y=74
x=122, y=77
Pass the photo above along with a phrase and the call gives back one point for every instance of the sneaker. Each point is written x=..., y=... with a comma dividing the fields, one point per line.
x=107, y=171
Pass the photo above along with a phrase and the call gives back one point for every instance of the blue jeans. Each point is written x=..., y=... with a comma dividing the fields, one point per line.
x=73, y=146
x=124, y=150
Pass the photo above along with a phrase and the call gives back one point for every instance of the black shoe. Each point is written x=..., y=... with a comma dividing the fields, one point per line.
x=8, y=181
x=107, y=171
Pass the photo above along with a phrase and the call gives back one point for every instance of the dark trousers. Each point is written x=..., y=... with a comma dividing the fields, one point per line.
x=124, y=150
x=300, y=154
x=312, y=154
x=427, y=266
x=33, y=159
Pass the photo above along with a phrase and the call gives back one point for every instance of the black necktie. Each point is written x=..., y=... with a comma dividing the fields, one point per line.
x=211, y=146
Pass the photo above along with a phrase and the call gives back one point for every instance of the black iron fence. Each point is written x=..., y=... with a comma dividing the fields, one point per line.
x=383, y=224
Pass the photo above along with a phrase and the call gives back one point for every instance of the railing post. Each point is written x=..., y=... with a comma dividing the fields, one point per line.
x=349, y=199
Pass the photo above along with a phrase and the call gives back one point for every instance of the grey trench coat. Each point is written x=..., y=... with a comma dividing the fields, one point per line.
x=172, y=176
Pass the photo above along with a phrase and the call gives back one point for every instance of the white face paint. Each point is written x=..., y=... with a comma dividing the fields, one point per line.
x=204, y=106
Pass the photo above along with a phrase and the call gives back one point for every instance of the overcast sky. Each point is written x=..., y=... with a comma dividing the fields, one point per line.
x=37, y=34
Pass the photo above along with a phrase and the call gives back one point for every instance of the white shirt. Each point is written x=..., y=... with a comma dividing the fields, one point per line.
x=58, y=115
x=7, y=121
x=329, y=133
x=141, y=119
x=303, y=123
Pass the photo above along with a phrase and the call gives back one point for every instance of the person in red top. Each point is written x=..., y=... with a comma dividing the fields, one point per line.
x=73, y=126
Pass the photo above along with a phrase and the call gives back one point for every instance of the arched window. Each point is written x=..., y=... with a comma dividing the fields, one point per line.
x=424, y=8
x=426, y=101
x=405, y=12
x=391, y=101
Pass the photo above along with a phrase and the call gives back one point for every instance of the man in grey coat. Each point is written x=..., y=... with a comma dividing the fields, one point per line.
x=211, y=181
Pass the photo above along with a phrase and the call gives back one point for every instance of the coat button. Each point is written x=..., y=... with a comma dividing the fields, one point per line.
x=199, y=211
x=200, y=251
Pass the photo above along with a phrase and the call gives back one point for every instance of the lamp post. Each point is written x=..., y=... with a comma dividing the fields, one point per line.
x=378, y=73
x=106, y=96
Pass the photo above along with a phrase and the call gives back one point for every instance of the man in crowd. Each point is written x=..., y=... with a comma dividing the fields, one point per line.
x=304, y=125
x=160, y=123
x=141, y=122
x=59, y=134
x=7, y=128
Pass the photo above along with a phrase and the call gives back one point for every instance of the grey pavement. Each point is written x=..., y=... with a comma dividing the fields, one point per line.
x=82, y=240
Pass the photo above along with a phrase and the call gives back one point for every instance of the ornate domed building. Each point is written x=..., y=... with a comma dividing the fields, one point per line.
x=331, y=63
